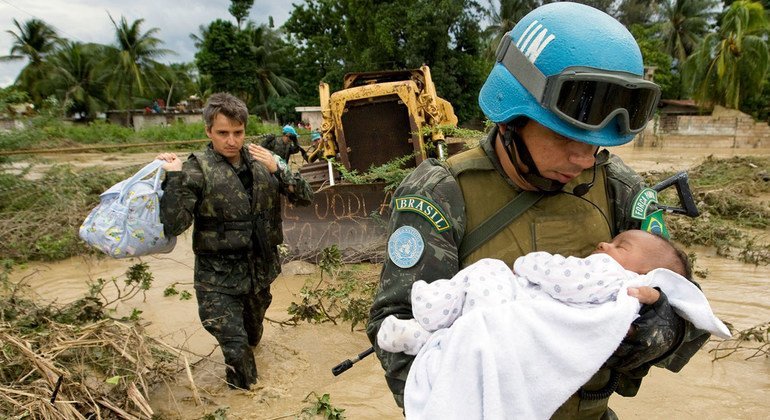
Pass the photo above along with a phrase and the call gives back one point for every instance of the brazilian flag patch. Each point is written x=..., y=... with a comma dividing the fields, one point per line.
x=654, y=224
x=425, y=208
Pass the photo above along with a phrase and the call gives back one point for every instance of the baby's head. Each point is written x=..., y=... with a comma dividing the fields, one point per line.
x=642, y=252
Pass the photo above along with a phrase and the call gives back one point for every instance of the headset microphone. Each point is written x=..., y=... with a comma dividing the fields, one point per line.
x=581, y=189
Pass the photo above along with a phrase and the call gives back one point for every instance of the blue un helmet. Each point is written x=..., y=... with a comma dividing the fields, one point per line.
x=575, y=70
x=315, y=136
x=289, y=131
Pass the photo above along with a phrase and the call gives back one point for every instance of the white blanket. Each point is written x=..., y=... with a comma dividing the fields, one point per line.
x=524, y=358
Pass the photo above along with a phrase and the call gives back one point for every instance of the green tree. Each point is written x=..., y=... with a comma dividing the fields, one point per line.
x=179, y=82
x=34, y=40
x=655, y=55
x=266, y=54
x=79, y=78
x=444, y=34
x=223, y=55
x=731, y=64
x=317, y=33
x=240, y=10
x=685, y=23
x=503, y=18
x=134, y=58
x=631, y=12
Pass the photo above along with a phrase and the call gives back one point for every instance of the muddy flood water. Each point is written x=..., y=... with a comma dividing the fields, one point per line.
x=294, y=362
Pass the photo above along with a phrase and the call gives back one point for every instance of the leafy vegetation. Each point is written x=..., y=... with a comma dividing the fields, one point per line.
x=343, y=292
x=730, y=194
x=723, y=44
x=321, y=406
x=754, y=341
x=392, y=173
x=39, y=219
x=47, y=132
x=96, y=363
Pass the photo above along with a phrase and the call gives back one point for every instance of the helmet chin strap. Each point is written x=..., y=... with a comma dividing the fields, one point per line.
x=510, y=139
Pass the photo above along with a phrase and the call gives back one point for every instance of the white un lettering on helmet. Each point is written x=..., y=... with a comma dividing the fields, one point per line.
x=534, y=40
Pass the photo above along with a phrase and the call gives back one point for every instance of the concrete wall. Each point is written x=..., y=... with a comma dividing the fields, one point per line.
x=149, y=120
x=10, y=124
x=312, y=115
x=715, y=131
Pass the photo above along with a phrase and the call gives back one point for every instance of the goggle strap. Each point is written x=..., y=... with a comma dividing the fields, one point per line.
x=525, y=71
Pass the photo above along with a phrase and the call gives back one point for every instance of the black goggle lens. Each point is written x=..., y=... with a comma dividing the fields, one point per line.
x=591, y=101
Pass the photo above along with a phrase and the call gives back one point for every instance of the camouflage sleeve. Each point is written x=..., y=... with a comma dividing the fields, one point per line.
x=267, y=142
x=301, y=194
x=181, y=191
x=293, y=146
x=624, y=183
x=439, y=259
x=661, y=338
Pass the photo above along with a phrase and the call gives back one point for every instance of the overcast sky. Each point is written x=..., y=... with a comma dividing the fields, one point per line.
x=87, y=21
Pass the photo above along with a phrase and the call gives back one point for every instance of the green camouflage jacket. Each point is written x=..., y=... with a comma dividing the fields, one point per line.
x=279, y=147
x=217, y=268
x=668, y=341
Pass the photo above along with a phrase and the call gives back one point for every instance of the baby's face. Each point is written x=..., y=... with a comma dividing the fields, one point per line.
x=635, y=250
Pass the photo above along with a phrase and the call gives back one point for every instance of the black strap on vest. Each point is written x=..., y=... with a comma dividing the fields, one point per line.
x=219, y=224
x=496, y=222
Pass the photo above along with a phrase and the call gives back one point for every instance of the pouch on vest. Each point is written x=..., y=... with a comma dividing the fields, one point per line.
x=126, y=223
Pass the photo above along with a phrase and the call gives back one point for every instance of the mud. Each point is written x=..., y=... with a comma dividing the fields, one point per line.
x=294, y=362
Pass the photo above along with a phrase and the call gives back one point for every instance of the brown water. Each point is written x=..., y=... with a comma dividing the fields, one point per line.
x=295, y=361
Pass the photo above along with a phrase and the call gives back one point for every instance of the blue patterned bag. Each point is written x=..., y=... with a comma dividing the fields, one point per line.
x=126, y=223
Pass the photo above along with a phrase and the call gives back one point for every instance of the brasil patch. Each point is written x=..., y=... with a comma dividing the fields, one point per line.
x=425, y=208
x=642, y=202
x=654, y=224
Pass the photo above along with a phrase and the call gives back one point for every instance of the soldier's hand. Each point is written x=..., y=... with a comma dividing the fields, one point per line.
x=646, y=294
x=173, y=163
x=263, y=156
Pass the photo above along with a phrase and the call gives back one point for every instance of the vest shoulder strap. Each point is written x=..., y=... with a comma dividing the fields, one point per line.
x=474, y=159
x=497, y=221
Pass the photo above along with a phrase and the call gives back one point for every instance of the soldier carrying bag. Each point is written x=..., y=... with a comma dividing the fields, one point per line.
x=126, y=223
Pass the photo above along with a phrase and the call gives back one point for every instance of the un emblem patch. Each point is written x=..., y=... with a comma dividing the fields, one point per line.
x=405, y=247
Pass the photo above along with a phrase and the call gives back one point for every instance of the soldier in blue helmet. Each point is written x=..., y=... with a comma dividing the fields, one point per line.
x=568, y=81
x=283, y=146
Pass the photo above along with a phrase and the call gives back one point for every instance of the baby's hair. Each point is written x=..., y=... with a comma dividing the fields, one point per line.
x=681, y=257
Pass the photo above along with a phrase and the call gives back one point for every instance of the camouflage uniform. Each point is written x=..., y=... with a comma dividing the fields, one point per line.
x=279, y=147
x=662, y=338
x=235, y=237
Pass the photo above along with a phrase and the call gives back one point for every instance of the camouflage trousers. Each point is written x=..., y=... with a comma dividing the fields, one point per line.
x=236, y=323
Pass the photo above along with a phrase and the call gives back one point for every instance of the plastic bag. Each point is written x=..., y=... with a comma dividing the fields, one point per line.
x=126, y=223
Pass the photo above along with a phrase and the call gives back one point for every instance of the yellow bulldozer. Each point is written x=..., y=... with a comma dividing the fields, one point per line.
x=375, y=118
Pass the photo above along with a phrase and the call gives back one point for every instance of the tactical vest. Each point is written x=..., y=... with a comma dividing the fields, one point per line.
x=559, y=224
x=225, y=219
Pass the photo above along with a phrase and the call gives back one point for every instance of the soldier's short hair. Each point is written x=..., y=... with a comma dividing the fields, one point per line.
x=227, y=105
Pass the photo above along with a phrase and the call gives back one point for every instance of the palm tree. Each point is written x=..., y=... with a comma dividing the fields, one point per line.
x=730, y=65
x=79, y=77
x=134, y=58
x=34, y=41
x=240, y=10
x=685, y=22
x=630, y=12
x=267, y=51
x=504, y=18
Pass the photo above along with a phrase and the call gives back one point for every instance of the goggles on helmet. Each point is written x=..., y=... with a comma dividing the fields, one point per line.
x=585, y=97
